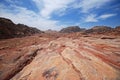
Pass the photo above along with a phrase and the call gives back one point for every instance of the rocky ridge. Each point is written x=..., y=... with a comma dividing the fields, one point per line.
x=94, y=30
x=10, y=30
x=71, y=29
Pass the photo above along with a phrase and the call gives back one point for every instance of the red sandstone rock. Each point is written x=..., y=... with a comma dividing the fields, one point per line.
x=65, y=58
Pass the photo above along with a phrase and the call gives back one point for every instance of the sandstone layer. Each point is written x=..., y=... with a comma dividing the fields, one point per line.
x=60, y=58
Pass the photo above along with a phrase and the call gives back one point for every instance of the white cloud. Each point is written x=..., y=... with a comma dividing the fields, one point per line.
x=46, y=8
x=86, y=5
x=104, y=16
x=28, y=17
x=39, y=3
x=95, y=18
x=91, y=18
x=41, y=20
x=52, y=6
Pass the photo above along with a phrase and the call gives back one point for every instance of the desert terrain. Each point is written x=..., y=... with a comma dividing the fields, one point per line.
x=93, y=57
x=61, y=56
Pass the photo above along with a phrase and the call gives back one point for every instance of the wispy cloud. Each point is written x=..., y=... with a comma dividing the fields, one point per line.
x=43, y=18
x=91, y=18
x=95, y=18
x=105, y=16
x=86, y=5
x=28, y=17
x=52, y=6
x=39, y=4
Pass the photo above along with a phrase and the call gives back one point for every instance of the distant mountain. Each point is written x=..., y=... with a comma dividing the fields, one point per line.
x=71, y=29
x=103, y=30
x=51, y=31
x=10, y=30
x=99, y=29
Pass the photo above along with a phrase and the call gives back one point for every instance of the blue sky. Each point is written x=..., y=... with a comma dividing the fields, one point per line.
x=57, y=14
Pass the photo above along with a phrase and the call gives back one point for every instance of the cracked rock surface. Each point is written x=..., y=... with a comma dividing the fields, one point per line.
x=64, y=58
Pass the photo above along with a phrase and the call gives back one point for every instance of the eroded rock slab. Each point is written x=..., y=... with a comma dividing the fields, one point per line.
x=11, y=67
x=84, y=58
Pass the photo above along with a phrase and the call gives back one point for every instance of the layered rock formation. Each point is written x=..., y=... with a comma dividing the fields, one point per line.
x=10, y=30
x=94, y=55
x=63, y=58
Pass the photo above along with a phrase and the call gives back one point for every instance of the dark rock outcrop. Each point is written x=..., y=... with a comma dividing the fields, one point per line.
x=99, y=29
x=10, y=30
x=71, y=29
x=104, y=30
